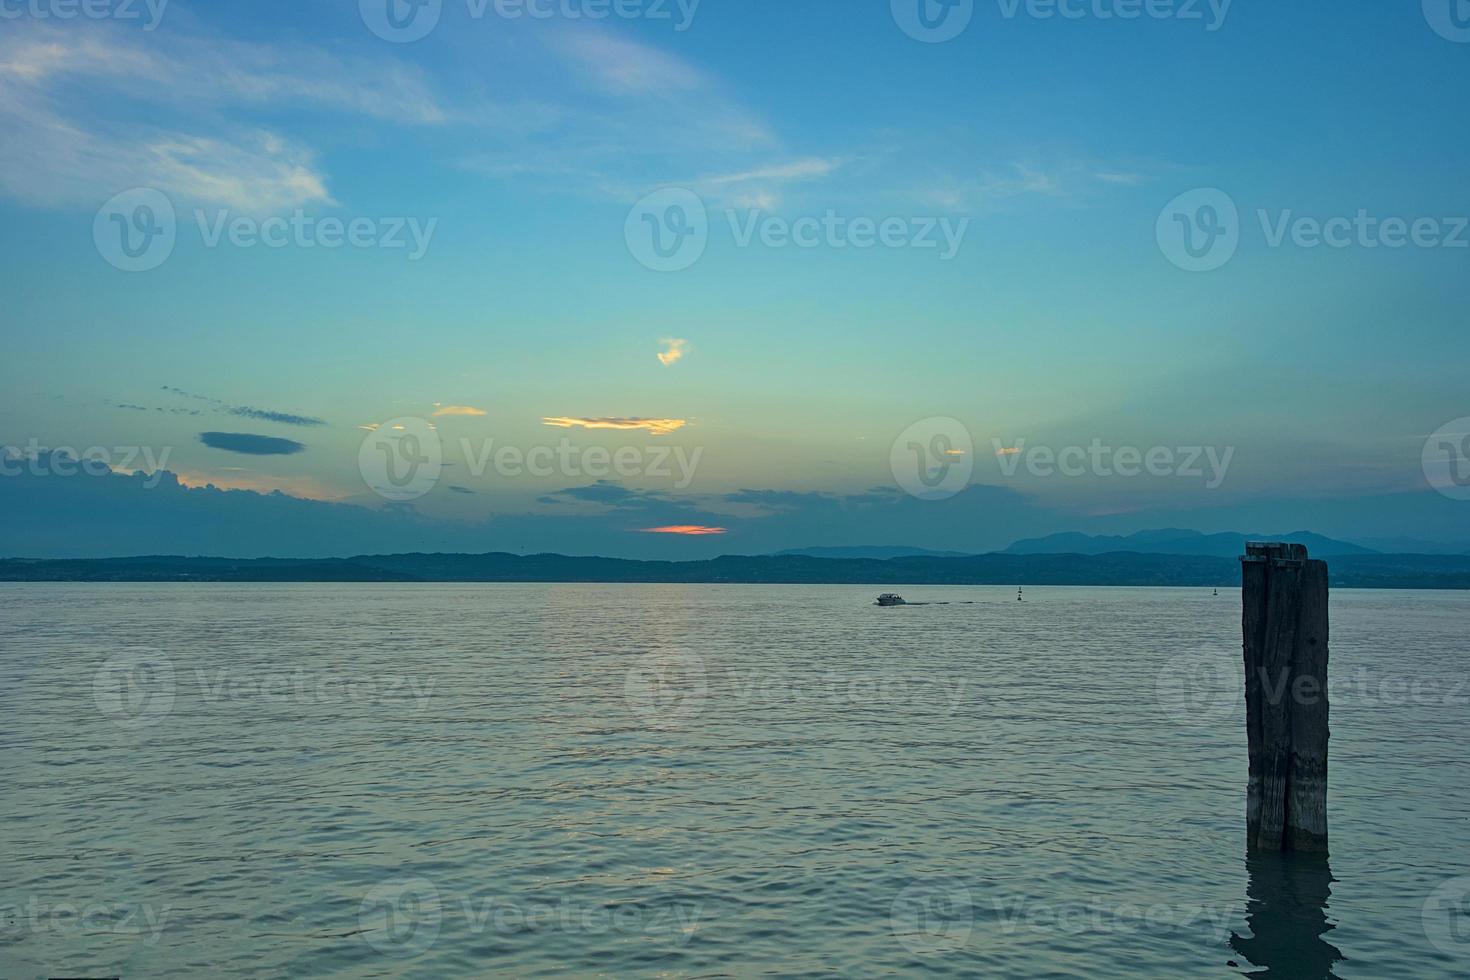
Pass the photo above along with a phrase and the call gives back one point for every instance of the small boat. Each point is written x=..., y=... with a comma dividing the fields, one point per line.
x=890, y=599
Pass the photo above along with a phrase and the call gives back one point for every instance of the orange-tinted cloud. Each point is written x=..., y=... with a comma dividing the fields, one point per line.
x=659, y=427
x=468, y=410
x=1008, y=452
x=686, y=529
x=303, y=487
x=676, y=349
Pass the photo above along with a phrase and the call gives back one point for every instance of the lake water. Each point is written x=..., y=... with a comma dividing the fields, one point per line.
x=694, y=781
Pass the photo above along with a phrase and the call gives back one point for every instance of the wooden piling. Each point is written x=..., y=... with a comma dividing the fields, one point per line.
x=1284, y=626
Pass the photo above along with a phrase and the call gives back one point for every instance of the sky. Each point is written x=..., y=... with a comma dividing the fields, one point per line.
x=671, y=280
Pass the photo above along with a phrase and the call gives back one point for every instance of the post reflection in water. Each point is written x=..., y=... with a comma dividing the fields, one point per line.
x=1286, y=910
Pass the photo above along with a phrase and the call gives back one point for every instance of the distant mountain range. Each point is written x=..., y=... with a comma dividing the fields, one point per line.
x=881, y=552
x=1175, y=541
x=1414, y=546
x=1164, y=541
x=1113, y=568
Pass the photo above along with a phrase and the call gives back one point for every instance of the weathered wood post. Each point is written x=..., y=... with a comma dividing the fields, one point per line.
x=1284, y=624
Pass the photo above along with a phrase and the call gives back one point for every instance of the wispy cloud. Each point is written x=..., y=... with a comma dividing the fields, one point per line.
x=617, y=115
x=623, y=118
x=1022, y=179
x=608, y=493
x=1019, y=180
x=761, y=186
x=691, y=530
x=674, y=351
x=245, y=411
x=658, y=427
x=629, y=68
x=252, y=170
x=266, y=415
x=69, y=98
x=170, y=410
x=795, y=170
x=201, y=70
x=461, y=410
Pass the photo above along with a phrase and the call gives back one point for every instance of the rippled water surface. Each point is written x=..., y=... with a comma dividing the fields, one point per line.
x=693, y=781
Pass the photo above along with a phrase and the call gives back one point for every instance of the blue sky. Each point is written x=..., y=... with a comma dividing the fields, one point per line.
x=517, y=149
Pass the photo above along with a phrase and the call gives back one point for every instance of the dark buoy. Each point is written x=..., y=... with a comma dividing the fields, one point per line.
x=1018, y=596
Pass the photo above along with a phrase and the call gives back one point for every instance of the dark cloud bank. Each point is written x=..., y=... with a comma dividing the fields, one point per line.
x=116, y=515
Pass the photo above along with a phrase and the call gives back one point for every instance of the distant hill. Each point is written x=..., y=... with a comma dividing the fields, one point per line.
x=1414, y=546
x=1176, y=541
x=881, y=552
x=1113, y=568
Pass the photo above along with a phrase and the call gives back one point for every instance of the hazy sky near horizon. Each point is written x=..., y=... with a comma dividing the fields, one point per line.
x=518, y=150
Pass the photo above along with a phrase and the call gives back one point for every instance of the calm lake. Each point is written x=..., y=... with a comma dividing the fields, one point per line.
x=694, y=781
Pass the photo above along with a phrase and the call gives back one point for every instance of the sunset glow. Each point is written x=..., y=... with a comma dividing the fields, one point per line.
x=691, y=530
x=658, y=427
